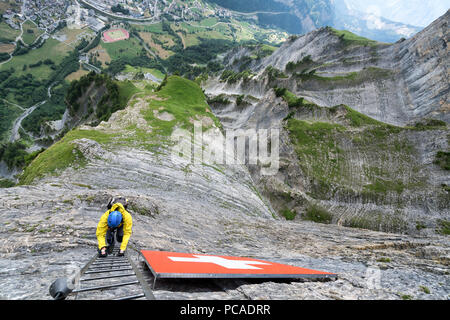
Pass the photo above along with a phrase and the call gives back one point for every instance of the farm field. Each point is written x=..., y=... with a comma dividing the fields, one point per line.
x=153, y=28
x=155, y=72
x=30, y=32
x=76, y=75
x=7, y=33
x=101, y=55
x=52, y=49
x=125, y=48
x=158, y=48
x=7, y=47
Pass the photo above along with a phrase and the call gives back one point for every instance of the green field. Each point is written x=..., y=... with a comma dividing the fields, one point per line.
x=184, y=100
x=7, y=33
x=52, y=49
x=155, y=72
x=125, y=48
x=60, y=155
x=153, y=28
x=30, y=32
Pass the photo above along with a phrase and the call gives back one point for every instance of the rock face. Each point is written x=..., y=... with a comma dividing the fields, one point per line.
x=395, y=84
x=373, y=174
x=47, y=237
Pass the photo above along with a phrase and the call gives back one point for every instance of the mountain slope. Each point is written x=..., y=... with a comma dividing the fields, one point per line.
x=198, y=208
x=362, y=124
x=415, y=68
x=134, y=145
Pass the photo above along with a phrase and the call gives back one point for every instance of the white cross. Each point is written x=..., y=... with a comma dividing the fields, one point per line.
x=229, y=264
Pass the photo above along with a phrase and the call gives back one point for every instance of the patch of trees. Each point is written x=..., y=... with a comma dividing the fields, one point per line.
x=230, y=76
x=240, y=99
x=5, y=74
x=26, y=89
x=93, y=60
x=274, y=73
x=52, y=110
x=108, y=104
x=292, y=100
x=279, y=92
x=183, y=62
x=82, y=47
x=15, y=155
x=119, y=8
x=61, y=25
x=4, y=56
x=118, y=65
x=220, y=99
x=442, y=159
x=95, y=42
x=83, y=43
x=68, y=65
x=7, y=115
x=5, y=183
x=294, y=66
x=178, y=43
x=21, y=49
x=78, y=87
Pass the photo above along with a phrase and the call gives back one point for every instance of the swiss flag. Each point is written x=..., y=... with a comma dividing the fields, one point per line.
x=166, y=263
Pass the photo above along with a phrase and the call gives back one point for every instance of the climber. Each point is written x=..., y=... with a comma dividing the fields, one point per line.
x=117, y=220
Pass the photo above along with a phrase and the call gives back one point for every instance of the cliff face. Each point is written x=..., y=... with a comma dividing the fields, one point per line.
x=396, y=83
x=350, y=142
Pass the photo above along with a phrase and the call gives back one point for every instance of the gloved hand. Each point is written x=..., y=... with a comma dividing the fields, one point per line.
x=121, y=253
x=103, y=253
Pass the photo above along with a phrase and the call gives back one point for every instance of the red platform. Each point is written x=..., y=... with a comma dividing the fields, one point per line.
x=165, y=264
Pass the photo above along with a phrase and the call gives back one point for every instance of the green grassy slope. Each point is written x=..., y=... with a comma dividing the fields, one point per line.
x=347, y=155
x=181, y=98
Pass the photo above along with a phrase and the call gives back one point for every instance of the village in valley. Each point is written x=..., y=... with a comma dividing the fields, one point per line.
x=46, y=45
x=48, y=14
x=27, y=24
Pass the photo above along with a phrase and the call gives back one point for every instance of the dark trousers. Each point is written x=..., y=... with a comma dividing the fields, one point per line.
x=110, y=235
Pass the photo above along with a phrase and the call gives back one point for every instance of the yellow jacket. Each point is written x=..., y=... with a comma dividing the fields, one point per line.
x=102, y=226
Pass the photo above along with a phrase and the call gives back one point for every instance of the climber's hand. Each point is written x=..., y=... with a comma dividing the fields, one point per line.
x=103, y=252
